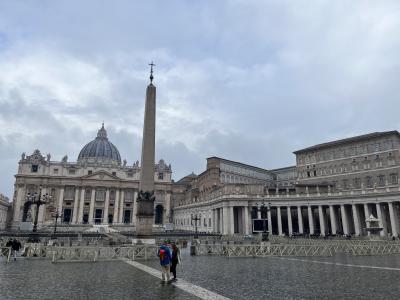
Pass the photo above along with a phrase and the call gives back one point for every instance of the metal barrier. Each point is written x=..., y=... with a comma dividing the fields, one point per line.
x=95, y=253
x=319, y=249
x=6, y=253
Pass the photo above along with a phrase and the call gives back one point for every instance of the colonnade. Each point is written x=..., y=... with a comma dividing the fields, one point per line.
x=340, y=218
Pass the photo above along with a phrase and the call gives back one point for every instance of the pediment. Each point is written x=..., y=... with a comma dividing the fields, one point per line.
x=101, y=175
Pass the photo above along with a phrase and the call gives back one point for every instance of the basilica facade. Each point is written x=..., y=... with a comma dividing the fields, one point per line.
x=97, y=188
x=333, y=188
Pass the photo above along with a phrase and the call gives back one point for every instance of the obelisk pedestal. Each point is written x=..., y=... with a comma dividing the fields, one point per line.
x=145, y=200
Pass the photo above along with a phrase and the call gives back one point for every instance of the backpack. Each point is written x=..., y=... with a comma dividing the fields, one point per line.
x=162, y=254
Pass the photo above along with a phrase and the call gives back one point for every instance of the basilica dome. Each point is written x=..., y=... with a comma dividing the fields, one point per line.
x=100, y=149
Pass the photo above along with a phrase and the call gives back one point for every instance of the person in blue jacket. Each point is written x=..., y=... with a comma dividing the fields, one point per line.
x=164, y=253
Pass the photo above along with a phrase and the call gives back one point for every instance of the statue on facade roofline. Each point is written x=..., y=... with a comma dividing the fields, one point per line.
x=48, y=157
x=124, y=162
x=65, y=159
x=23, y=155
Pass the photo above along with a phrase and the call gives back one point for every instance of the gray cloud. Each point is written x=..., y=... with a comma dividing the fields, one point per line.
x=251, y=81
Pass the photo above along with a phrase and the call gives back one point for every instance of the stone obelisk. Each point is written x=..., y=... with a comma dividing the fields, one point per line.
x=145, y=200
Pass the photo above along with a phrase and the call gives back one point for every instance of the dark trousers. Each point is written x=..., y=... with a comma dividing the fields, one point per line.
x=173, y=269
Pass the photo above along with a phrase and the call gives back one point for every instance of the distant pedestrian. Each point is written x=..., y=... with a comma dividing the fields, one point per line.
x=15, y=246
x=164, y=253
x=176, y=259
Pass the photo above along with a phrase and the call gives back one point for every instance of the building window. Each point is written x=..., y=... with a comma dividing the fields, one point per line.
x=381, y=180
x=315, y=173
x=308, y=174
x=71, y=171
x=90, y=172
x=34, y=168
x=130, y=174
x=345, y=183
x=55, y=171
x=368, y=181
x=100, y=194
x=393, y=178
x=357, y=183
x=160, y=176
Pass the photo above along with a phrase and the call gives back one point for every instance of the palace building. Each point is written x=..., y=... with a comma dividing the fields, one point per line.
x=333, y=189
x=97, y=188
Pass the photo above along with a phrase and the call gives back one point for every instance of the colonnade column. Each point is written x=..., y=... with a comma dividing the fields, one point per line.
x=81, y=203
x=75, y=211
x=60, y=200
x=269, y=221
x=231, y=221
x=225, y=220
x=116, y=206
x=289, y=217
x=106, y=205
x=393, y=220
x=356, y=219
x=321, y=220
x=344, y=219
x=221, y=220
x=310, y=219
x=332, y=215
x=381, y=222
x=246, y=219
x=121, y=207
x=91, y=207
x=367, y=213
x=300, y=219
x=279, y=220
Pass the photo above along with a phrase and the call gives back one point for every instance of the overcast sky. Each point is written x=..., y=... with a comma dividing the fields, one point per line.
x=250, y=81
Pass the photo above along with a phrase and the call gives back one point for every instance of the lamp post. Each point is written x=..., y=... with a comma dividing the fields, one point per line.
x=262, y=208
x=195, y=218
x=37, y=199
x=56, y=215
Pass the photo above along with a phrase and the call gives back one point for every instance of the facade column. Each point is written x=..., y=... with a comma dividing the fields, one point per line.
x=269, y=221
x=231, y=221
x=91, y=207
x=116, y=206
x=381, y=222
x=60, y=200
x=279, y=220
x=106, y=205
x=258, y=212
x=289, y=217
x=300, y=219
x=76, y=201
x=246, y=219
x=321, y=220
x=393, y=220
x=332, y=216
x=17, y=205
x=310, y=219
x=134, y=210
x=42, y=208
x=81, y=203
x=121, y=207
x=344, y=219
x=356, y=217
x=367, y=213
x=168, y=216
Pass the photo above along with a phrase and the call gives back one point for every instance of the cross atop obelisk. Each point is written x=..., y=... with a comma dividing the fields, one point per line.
x=145, y=200
x=151, y=71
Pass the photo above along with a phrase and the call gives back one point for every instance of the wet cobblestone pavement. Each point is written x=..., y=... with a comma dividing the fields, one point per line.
x=340, y=277
x=283, y=278
x=41, y=279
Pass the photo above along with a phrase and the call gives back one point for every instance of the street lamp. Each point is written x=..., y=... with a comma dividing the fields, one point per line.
x=38, y=200
x=56, y=215
x=195, y=218
x=262, y=209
